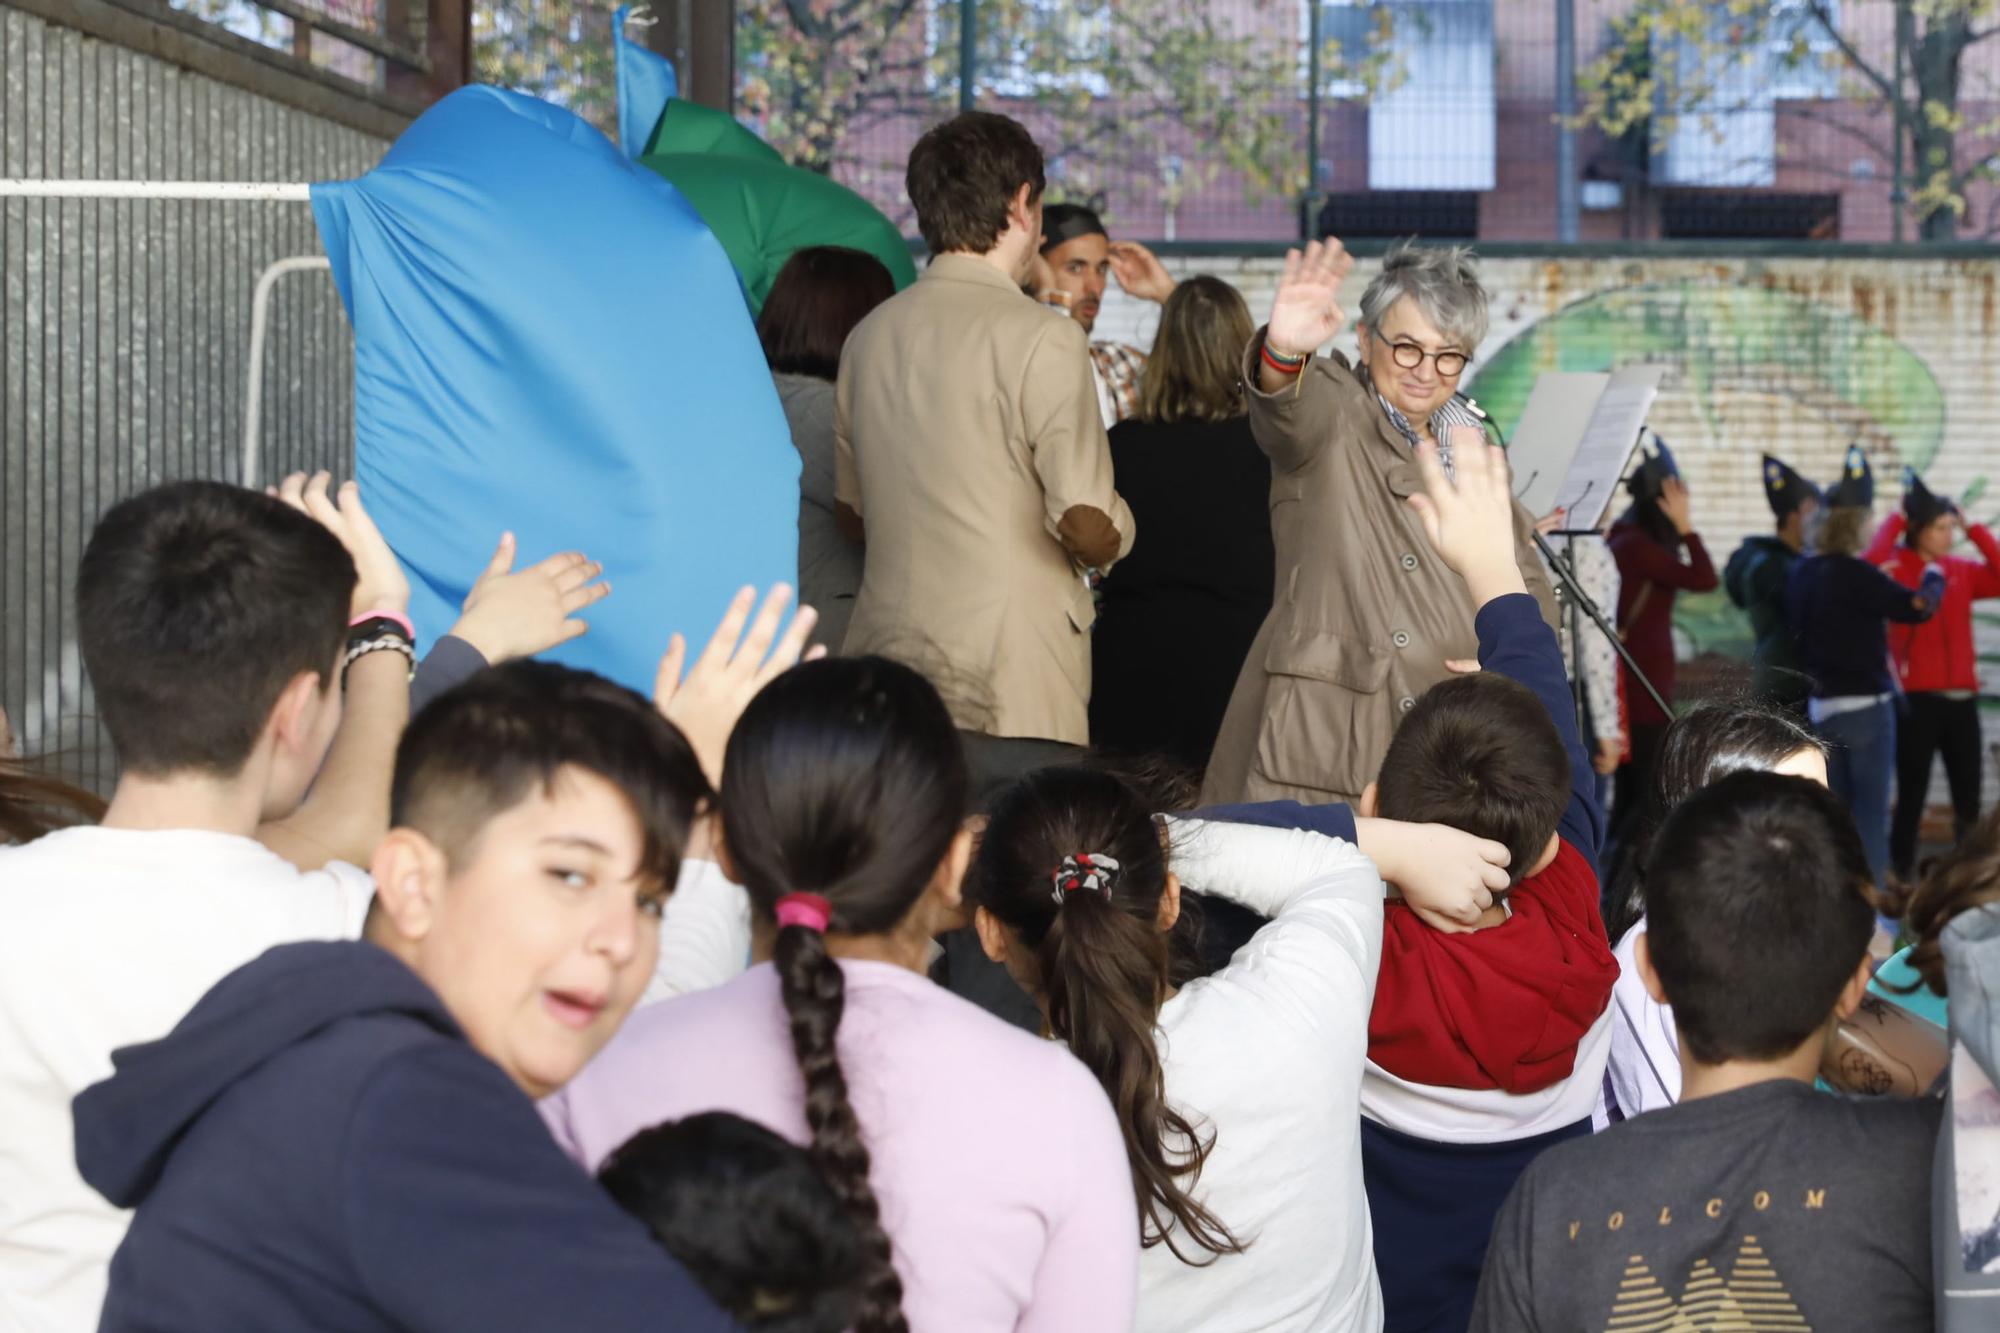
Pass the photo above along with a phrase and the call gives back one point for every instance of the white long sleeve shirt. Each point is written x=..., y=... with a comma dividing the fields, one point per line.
x=1267, y=1054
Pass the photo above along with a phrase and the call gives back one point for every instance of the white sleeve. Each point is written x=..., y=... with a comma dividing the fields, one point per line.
x=1316, y=961
x=704, y=935
x=1259, y=867
x=355, y=890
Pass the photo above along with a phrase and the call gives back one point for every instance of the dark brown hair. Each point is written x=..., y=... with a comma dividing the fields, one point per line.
x=1964, y=880
x=1102, y=961
x=964, y=173
x=818, y=297
x=482, y=747
x=196, y=604
x=1711, y=740
x=1759, y=907
x=1195, y=370
x=32, y=804
x=845, y=778
x=1480, y=754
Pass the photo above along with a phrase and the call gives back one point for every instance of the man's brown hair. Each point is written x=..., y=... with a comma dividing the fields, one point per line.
x=1480, y=754
x=964, y=173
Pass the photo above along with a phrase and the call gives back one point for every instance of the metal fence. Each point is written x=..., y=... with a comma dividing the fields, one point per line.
x=1244, y=121
x=124, y=326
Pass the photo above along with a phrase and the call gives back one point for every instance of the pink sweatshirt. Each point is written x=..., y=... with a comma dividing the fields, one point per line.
x=996, y=1156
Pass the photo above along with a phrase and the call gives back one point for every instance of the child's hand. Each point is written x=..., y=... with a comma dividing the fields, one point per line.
x=380, y=584
x=1447, y=877
x=1470, y=518
x=511, y=613
x=726, y=677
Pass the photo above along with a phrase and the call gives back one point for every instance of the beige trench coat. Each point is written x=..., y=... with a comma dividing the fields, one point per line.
x=966, y=429
x=1365, y=613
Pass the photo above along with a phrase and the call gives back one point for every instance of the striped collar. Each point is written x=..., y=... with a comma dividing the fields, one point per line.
x=1456, y=410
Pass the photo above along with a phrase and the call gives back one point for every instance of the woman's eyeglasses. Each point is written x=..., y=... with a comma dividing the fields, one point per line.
x=1409, y=356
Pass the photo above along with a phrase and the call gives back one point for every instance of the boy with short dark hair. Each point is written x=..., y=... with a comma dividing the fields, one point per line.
x=387, y=1086
x=1755, y=1198
x=213, y=624
x=1484, y=1047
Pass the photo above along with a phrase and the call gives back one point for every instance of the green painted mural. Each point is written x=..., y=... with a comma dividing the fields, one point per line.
x=1721, y=340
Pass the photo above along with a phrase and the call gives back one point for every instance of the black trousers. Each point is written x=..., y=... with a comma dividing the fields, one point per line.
x=1934, y=724
x=1632, y=785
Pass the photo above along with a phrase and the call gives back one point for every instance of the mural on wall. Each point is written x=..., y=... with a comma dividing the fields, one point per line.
x=1738, y=358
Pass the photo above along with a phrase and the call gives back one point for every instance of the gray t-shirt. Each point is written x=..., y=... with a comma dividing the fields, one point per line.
x=1771, y=1207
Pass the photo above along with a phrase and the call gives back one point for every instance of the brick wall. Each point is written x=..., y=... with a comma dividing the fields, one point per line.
x=1796, y=356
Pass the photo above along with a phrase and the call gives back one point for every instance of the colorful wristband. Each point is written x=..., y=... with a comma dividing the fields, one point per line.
x=382, y=614
x=1278, y=361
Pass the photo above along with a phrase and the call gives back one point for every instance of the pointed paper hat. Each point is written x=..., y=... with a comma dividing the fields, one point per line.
x=1784, y=489
x=1856, y=487
x=1921, y=505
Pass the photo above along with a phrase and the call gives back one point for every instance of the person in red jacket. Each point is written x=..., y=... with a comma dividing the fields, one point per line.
x=1659, y=555
x=1935, y=661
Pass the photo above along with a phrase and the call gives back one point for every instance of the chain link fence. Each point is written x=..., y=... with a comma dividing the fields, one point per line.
x=1245, y=121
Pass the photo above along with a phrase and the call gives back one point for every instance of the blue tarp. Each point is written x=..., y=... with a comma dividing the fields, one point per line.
x=646, y=83
x=548, y=339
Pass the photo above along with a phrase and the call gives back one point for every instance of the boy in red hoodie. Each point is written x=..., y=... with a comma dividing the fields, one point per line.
x=1484, y=1047
x=1936, y=662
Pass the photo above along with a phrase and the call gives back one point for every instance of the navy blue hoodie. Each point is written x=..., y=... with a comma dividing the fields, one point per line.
x=317, y=1146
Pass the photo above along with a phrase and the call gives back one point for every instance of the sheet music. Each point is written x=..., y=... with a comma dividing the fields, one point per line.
x=1551, y=429
x=1607, y=445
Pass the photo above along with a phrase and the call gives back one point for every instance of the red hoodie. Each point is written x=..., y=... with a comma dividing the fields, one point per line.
x=1938, y=654
x=1503, y=1007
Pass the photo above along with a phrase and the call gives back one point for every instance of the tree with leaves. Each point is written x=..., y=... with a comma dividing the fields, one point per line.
x=1912, y=79
x=1167, y=92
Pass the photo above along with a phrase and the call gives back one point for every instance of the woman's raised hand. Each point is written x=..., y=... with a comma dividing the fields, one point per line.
x=1305, y=313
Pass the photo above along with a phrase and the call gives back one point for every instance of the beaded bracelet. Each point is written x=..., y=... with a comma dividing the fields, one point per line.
x=391, y=643
x=1278, y=361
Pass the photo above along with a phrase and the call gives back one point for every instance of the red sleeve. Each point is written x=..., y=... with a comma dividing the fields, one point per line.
x=1500, y=1008
x=1640, y=557
x=1886, y=538
x=1986, y=580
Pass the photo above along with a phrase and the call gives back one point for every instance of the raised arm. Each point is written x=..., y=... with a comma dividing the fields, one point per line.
x=347, y=811
x=1987, y=581
x=1892, y=601
x=1292, y=414
x=1469, y=521
x=1082, y=508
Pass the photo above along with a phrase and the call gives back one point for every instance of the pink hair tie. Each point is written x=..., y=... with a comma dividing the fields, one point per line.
x=804, y=909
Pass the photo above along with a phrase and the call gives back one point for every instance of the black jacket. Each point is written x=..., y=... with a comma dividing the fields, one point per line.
x=1178, y=615
x=1840, y=606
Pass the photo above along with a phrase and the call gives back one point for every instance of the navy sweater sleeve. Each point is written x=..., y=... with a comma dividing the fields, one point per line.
x=450, y=661
x=1335, y=820
x=1900, y=604
x=1515, y=642
x=463, y=1214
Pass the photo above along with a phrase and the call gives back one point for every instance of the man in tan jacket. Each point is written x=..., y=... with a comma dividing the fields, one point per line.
x=970, y=454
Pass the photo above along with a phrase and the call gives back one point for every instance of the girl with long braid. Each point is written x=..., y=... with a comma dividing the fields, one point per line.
x=982, y=1166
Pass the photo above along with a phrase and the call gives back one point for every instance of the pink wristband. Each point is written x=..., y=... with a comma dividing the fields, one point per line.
x=804, y=909
x=396, y=616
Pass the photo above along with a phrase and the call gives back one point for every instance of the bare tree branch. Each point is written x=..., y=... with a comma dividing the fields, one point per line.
x=1818, y=9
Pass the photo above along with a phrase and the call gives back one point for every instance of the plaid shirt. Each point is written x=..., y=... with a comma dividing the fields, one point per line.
x=1118, y=368
x=1455, y=411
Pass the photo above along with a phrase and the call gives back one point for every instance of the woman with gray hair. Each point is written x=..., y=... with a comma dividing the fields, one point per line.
x=1366, y=617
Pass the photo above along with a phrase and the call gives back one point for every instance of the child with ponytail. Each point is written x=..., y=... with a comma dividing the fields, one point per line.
x=1241, y=1117
x=983, y=1168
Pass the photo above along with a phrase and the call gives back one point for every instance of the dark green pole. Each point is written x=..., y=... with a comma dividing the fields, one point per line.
x=1307, y=222
x=968, y=52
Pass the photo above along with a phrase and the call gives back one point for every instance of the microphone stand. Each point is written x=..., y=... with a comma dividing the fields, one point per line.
x=1581, y=600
